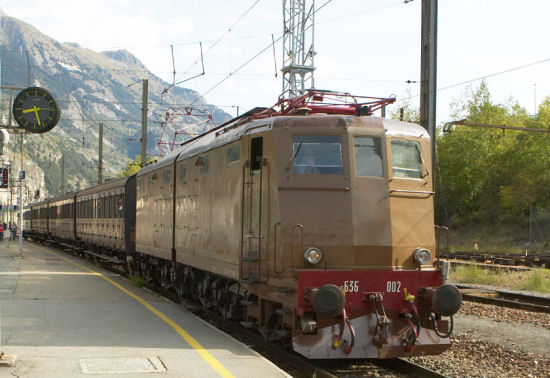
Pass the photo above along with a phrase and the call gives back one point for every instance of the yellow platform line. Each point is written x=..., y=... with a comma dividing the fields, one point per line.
x=206, y=355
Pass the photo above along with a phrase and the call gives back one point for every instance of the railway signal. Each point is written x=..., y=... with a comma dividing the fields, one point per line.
x=5, y=177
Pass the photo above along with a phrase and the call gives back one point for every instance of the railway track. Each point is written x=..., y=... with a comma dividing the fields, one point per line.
x=510, y=259
x=505, y=298
x=298, y=366
x=292, y=363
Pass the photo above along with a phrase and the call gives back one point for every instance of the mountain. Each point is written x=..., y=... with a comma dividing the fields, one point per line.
x=90, y=88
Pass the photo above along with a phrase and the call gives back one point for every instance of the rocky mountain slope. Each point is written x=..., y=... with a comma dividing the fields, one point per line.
x=90, y=87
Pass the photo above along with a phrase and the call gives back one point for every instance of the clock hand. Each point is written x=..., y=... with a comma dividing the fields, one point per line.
x=34, y=109
x=37, y=117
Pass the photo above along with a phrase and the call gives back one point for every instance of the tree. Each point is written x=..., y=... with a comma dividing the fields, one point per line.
x=133, y=167
x=491, y=175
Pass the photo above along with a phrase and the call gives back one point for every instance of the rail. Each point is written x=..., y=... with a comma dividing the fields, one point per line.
x=505, y=298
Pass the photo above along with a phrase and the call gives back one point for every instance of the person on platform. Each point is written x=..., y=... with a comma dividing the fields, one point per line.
x=13, y=230
x=1, y=231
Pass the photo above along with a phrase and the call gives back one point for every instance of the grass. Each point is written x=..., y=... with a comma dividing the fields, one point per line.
x=137, y=280
x=537, y=280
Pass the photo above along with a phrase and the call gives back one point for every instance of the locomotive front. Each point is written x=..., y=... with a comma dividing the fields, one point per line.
x=356, y=201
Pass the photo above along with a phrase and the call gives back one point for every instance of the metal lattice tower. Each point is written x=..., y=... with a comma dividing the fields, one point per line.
x=298, y=52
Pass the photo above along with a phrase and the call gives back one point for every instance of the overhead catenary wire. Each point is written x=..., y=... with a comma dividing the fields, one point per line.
x=220, y=38
x=481, y=78
x=217, y=84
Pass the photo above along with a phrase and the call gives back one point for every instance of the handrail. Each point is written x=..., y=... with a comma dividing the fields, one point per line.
x=405, y=192
x=438, y=233
x=260, y=219
x=245, y=164
x=411, y=191
x=275, y=250
x=301, y=227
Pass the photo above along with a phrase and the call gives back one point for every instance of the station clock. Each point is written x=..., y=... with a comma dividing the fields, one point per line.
x=35, y=110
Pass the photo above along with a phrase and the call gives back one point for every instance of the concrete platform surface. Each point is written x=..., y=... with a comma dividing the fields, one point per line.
x=65, y=317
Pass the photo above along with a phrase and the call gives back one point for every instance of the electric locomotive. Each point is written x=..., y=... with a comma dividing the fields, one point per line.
x=312, y=222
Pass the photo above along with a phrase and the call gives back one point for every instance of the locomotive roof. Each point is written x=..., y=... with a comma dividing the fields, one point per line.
x=236, y=128
x=216, y=137
x=395, y=127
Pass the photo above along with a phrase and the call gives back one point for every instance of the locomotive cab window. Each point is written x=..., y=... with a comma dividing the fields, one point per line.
x=317, y=154
x=368, y=156
x=406, y=159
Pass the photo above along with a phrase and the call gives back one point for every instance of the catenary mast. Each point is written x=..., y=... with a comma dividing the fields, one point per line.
x=298, y=47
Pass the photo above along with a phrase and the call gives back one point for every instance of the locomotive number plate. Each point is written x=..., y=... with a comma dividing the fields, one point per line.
x=393, y=286
x=350, y=286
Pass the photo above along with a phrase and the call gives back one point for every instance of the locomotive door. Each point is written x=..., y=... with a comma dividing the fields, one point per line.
x=253, y=238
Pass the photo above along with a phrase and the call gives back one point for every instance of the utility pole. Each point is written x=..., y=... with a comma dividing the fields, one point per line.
x=100, y=173
x=62, y=174
x=144, y=90
x=298, y=47
x=428, y=73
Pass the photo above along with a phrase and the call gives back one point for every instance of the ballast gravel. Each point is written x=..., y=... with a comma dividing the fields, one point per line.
x=492, y=341
x=471, y=357
x=503, y=314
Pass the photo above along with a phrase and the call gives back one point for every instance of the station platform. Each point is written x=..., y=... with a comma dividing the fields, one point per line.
x=66, y=317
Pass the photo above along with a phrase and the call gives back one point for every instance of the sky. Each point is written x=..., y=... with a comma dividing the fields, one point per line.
x=364, y=47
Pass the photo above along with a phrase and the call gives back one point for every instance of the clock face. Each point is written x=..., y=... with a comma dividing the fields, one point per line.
x=35, y=110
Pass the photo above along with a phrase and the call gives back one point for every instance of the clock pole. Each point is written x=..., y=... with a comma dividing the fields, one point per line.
x=21, y=177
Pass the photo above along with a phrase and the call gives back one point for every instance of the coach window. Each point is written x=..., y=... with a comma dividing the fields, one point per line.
x=406, y=159
x=368, y=156
x=182, y=174
x=166, y=175
x=233, y=155
x=317, y=154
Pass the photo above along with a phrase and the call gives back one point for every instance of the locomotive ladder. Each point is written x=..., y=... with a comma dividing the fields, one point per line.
x=251, y=227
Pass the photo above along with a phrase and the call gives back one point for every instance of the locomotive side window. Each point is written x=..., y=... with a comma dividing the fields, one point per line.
x=204, y=164
x=368, y=157
x=233, y=154
x=317, y=154
x=406, y=159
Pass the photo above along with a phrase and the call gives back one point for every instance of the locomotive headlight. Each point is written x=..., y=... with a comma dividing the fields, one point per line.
x=422, y=256
x=313, y=255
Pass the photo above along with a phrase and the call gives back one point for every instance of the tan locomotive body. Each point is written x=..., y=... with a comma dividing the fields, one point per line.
x=313, y=228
